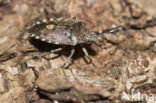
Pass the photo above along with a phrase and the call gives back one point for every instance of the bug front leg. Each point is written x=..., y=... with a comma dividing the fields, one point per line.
x=85, y=51
x=86, y=54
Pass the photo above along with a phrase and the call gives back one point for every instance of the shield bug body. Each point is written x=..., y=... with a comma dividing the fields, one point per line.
x=64, y=31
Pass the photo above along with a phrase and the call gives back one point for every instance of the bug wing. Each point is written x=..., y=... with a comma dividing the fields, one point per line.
x=58, y=35
x=51, y=33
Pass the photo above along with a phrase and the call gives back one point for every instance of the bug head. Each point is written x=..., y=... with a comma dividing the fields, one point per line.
x=81, y=34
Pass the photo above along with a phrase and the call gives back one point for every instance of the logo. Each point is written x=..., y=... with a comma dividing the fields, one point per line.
x=138, y=96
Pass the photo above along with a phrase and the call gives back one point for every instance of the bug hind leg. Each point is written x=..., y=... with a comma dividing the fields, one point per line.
x=86, y=54
x=52, y=51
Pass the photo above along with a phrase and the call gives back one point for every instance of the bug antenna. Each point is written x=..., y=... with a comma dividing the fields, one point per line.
x=112, y=30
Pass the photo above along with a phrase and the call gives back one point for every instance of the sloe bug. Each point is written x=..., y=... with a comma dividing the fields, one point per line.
x=65, y=31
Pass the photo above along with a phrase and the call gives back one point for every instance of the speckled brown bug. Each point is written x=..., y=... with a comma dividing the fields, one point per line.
x=65, y=31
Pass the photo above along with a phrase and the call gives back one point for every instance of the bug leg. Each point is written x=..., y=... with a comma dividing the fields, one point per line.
x=52, y=51
x=86, y=53
x=72, y=53
x=20, y=37
x=75, y=19
x=70, y=56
